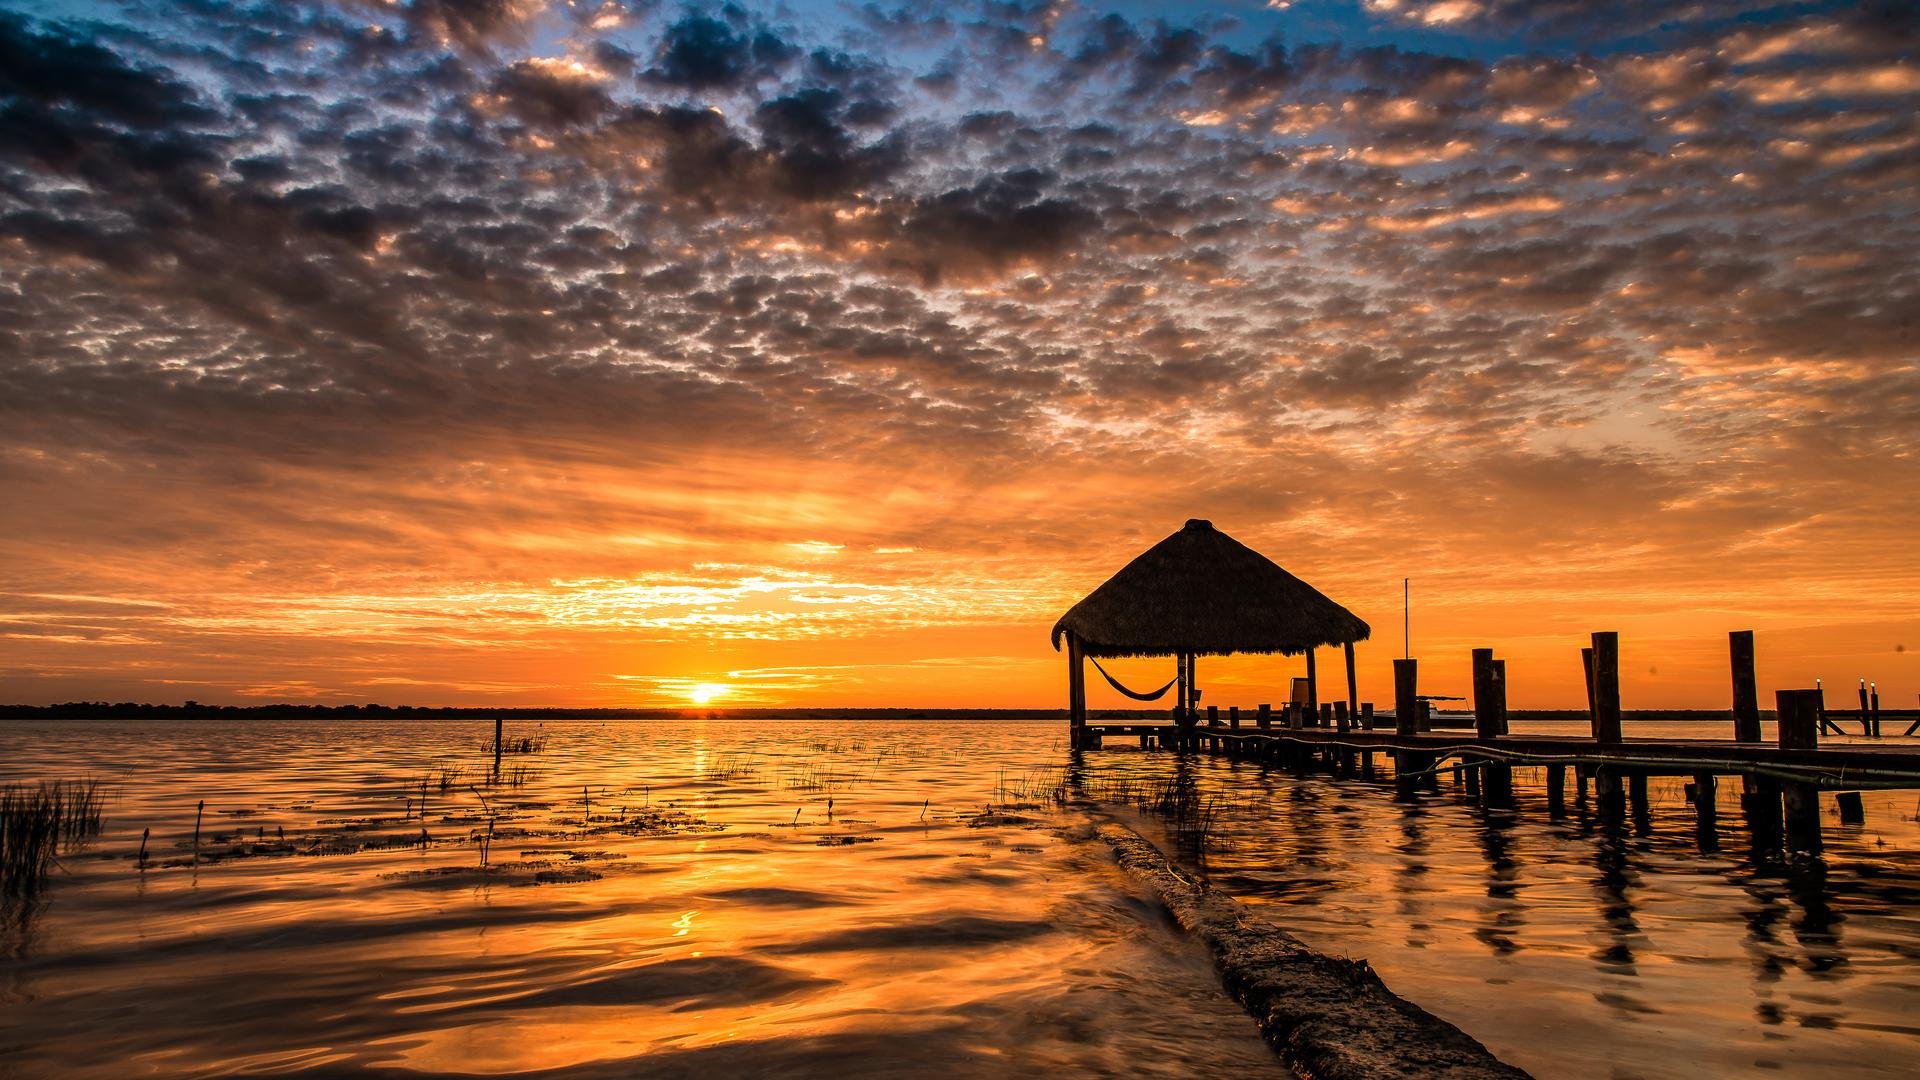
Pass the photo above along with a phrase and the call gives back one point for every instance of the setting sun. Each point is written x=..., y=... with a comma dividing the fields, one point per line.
x=706, y=692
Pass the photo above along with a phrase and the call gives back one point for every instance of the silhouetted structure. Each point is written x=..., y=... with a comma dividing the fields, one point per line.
x=1200, y=592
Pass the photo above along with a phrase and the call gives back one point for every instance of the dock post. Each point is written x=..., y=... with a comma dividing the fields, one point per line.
x=1706, y=814
x=1607, y=792
x=1703, y=795
x=1586, y=663
x=1580, y=774
x=1761, y=803
x=1866, y=711
x=1852, y=811
x=1799, y=712
x=1213, y=716
x=1500, y=696
x=1233, y=717
x=1637, y=799
x=1264, y=720
x=1342, y=721
x=1484, y=724
x=1606, y=686
x=1876, y=710
x=1469, y=772
x=1800, y=801
x=1405, y=694
x=1556, y=791
x=1746, y=697
x=1489, y=722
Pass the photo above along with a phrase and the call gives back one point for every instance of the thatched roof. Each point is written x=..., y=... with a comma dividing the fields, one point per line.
x=1201, y=591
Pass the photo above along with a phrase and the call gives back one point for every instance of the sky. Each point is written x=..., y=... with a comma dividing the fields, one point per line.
x=618, y=353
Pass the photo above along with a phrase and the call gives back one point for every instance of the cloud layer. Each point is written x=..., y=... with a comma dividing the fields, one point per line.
x=489, y=349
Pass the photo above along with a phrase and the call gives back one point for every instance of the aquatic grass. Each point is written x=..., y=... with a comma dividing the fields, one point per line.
x=732, y=767
x=36, y=824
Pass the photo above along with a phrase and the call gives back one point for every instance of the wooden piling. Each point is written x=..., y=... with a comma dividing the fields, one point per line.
x=1366, y=716
x=1761, y=804
x=1484, y=724
x=1704, y=809
x=1500, y=695
x=1498, y=783
x=1405, y=696
x=1233, y=717
x=1852, y=811
x=1213, y=716
x=1706, y=813
x=1489, y=722
x=1264, y=719
x=1606, y=686
x=1586, y=663
x=1556, y=791
x=1746, y=696
x=1799, y=712
x=1607, y=793
x=499, y=736
x=1637, y=800
x=1341, y=720
x=1800, y=804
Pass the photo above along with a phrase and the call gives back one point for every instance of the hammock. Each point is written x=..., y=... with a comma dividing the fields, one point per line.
x=1134, y=694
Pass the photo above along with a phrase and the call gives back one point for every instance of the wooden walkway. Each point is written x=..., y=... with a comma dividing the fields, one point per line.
x=1832, y=765
x=1780, y=785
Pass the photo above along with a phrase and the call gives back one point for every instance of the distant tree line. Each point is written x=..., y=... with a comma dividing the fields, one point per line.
x=140, y=710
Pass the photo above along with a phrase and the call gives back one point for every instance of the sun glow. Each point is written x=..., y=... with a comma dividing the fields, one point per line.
x=706, y=692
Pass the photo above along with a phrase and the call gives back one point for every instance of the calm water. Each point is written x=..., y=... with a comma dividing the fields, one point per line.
x=723, y=921
x=704, y=908
x=1577, y=949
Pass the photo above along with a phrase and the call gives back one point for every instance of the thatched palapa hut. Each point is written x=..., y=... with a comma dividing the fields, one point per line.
x=1200, y=592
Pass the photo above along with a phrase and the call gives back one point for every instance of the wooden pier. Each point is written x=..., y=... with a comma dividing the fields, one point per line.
x=1781, y=781
x=1201, y=593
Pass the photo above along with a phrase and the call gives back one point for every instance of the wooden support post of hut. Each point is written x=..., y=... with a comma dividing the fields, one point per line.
x=1076, y=695
x=1606, y=686
x=1353, y=681
x=1313, y=685
x=1198, y=593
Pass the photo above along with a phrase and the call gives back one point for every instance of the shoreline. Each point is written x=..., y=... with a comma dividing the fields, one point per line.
x=1326, y=1016
x=100, y=710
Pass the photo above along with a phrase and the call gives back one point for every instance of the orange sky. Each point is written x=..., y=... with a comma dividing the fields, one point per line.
x=544, y=359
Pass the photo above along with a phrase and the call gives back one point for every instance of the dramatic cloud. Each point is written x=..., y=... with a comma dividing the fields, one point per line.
x=584, y=351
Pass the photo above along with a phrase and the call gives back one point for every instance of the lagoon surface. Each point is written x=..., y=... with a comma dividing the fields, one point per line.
x=808, y=898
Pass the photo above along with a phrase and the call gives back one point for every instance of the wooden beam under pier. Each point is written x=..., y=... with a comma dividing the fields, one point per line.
x=1834, y=765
